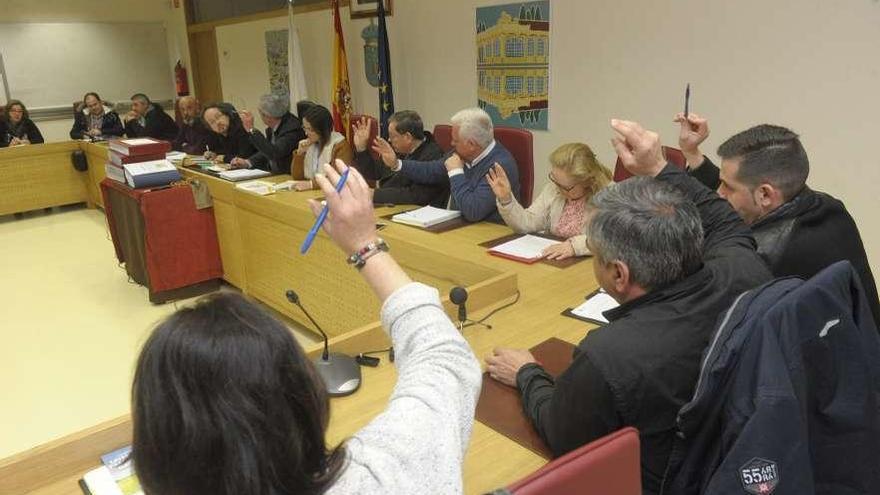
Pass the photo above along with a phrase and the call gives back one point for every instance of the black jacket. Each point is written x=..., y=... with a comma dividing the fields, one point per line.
x=396, y=188
x=276, y=150
x=807, y=234
x=159, y=125
x=111, y=125
x=641, y=368
x=26, y=128
x=194, y=138
x=788, y=399
x=236, y=142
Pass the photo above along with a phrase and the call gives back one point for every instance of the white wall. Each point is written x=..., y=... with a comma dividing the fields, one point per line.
x=809, y=65
x=65, y=14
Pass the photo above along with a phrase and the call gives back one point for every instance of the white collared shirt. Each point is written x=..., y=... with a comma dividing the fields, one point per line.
x=475, y=162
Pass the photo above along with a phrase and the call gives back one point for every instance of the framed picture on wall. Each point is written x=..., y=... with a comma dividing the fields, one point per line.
x=367, y=8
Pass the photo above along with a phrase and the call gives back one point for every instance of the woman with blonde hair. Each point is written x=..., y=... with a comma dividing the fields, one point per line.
x=575, y=176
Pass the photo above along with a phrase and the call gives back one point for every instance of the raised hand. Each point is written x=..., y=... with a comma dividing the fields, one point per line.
x=694, y=130
x=639, y=149
x=352, y=222
x=500, y=184
x=385, y=151
x=362, y=134
x=247, y=120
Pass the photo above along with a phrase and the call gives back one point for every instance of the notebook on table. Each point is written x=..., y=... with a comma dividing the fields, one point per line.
x=500, y=407
x=432, y=221
x=593, y=308
x=557, y=263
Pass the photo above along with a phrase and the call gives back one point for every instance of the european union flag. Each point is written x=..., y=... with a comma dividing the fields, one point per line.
x=386, y=94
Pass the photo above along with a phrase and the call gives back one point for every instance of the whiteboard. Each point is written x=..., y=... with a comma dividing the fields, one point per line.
x=50, y=65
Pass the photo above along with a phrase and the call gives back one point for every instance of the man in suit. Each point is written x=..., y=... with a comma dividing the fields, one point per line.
x=194, y=137
x=475, y=152
x=410, y=141
x=763, y=175
x=284, y=131
x=147, y=119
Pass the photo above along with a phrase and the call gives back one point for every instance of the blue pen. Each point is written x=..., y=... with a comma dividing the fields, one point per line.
x=310, y=238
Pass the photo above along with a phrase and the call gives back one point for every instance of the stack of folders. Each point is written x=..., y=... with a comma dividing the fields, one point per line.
x=140, y=162
x=115, y=477
x=526, y=249
x=425, y=217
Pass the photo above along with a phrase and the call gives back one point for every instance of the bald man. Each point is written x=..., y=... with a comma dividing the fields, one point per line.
x=194, y=137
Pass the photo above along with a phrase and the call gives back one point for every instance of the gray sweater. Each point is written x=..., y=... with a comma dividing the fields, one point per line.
x=417, y=444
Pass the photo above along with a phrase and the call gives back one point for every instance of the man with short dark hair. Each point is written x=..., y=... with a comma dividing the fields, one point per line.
x=763, y=175
x=284, y=131
x=410, y=141
x=675, y=256
x=147, y=119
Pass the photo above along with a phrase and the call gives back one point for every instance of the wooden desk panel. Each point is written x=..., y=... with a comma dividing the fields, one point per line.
x=40, y=176
x=97, y=156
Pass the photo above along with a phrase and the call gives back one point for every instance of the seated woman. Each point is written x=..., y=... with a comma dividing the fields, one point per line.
x=321, y=145
x=575, y=175
x=231, y=140
x=94, y=119
x=20, y=129
x=225, y=401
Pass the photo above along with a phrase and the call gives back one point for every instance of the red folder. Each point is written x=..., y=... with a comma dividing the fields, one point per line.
x=140, y=146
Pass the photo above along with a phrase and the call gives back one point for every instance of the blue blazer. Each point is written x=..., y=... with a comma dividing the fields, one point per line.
x=470, y=192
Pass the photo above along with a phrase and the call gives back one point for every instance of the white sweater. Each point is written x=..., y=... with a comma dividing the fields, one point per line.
x=417, y=444
x=541, y=216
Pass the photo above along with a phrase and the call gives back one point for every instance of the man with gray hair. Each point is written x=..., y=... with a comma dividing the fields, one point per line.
x=675, y=256
x=475, y=151
x=284, y=131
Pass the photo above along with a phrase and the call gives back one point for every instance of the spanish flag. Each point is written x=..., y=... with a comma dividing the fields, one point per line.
x=341, y=88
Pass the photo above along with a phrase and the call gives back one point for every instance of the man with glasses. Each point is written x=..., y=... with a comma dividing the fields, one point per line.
x=410, y=141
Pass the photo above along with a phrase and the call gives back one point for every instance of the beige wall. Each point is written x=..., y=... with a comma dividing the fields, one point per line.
x=810, y=66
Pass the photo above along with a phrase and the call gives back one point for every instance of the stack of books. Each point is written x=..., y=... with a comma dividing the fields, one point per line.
x=140, y=163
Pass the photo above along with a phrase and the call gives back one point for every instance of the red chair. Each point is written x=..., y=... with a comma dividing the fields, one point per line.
x=673, y=155
x=443, y=136
x=610, y=465
x=519, y=143
x=374, y=131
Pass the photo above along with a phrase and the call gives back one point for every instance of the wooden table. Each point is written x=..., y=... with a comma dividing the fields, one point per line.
x=40, y=176
x=259, y=236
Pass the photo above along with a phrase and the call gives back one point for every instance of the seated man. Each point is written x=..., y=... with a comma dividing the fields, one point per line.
x=763, y=175
x=284, y=131
x=194, y=137
x=675, y=256
x=93, y=119
x=475, y=152
x=147, y=119
x=231, y=140
x=410, y=141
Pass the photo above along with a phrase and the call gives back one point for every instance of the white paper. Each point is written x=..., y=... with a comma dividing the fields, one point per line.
x=243, y=174
x=528, y=247
x=139, y=141
x=257, y=187
x=593, y=307
x=151, y=167
x=426, y=216
x=101, y=482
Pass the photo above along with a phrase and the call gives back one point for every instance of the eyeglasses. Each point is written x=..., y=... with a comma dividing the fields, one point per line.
x=560, y=186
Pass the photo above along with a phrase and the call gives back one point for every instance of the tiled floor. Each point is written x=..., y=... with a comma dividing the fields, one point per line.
x=71, y=326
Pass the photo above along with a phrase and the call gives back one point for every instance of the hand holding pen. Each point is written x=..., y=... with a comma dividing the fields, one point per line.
x=349, y=219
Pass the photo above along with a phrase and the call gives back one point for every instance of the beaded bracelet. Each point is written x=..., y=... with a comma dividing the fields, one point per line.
x=359, y=259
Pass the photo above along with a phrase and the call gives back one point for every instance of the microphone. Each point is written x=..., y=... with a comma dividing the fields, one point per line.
x=340, y=373
x=458, y=296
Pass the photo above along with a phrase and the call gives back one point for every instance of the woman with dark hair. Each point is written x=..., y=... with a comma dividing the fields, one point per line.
x=232, y=140
x=225, y=401
x=94, y=118
x=20, y=129
x=321, y=145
